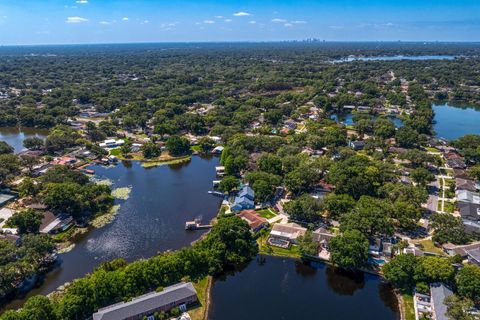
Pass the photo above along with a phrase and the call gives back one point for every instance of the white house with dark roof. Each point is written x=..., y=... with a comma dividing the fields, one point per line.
x=179, y=295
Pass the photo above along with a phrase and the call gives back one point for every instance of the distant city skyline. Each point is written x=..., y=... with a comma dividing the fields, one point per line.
x=121, y=21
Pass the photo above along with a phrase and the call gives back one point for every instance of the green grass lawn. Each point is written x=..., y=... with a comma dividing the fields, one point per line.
x=265, y=248
x=408, y=306
x=201, y=286
x=115, y=152
x=267, y=213
x=432, y=149
x=449, y=207
x=429, y=246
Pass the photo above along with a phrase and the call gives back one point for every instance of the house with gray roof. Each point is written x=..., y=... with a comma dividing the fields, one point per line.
x=439, y=292
x=468, y=196
x=179, y=295
x=244, y=200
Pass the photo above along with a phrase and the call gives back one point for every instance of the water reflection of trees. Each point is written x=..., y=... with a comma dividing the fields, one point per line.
x=385, y=291
x=127, y=163
x=343, y=282
x=304, y=269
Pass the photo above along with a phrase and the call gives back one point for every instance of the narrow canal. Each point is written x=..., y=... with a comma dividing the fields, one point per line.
x=151, y=220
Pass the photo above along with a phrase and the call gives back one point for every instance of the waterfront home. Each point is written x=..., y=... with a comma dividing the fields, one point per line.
x=112, y=143
x=438, y=293
x=220, y=170
x=218, y=150
x=52, y=223
x=357, y=145
x=422, y=305
x=254, y=220
x=288, y=232
x=64, y=161
x=375, y=247
x=244, y=199
x=180, y=295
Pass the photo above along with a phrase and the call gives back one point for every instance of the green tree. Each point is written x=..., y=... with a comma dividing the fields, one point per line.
x=447, y=228
x=400, y=271
x=9, y=167
x=270, y=163
x=406, y=137
x=434, y=269
x=150, y=150
x=349, y=250
x=206, y=144
x=338, y=205
x=27, y=221
x=304, y=208
x=5, y=148
x=228, y=184
x=306, y=244
x=371, y=216
x=422, y=176
x=468, y=282
x=34, y=143
x=126, y=148
x=178, y=146
x=458, y=309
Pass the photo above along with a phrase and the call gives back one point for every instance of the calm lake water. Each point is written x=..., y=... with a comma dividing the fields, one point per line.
x=278, y=288
x=14, y=136
x=396, y=58
x=347, y=119
x=151, y=220
x=452, y=122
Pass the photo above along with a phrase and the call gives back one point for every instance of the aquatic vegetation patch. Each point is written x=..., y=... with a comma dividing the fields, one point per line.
x=121, y=193
x=104, y=219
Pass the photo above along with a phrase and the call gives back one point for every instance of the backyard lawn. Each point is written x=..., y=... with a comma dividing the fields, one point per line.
x=267, y=213
x=265, y=248
x=408, y=306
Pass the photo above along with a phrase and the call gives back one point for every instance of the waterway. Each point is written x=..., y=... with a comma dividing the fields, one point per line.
x=278, y=288
x=396, y=58
x=151, y=220
x=453, y=122
x=15, y=136
x=348, y=119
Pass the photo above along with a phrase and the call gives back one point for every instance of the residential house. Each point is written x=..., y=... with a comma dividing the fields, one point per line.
x=52, y=223
x=179, y=295
x=322, y=236
x=254, y=220
x=473, y=255
x=112, y=143
x=456, y=163
x=12, y=238
x=5, y=198
x=357, y=145
x=218, y=150
x=244, y=200
x=288, y=232
x=464, y=184
x=438, y=293
x=460, y=174
x=470, y=214
x=468, y=196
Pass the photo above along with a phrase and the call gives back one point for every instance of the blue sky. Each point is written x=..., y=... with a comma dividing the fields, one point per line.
x=120, y=21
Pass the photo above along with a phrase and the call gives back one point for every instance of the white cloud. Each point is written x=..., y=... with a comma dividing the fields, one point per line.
x=241, y=14
x=76, y=20
x=208, y=21
x=228, y=20
x=278, y=20
x=169, y=26
x=336, y=27
x=252, y=22
x=298, y=22
x=145, y=22
x=288, y=25
x=81, y=1
x=219, y=17
x=105, y=22
x=125, y=19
